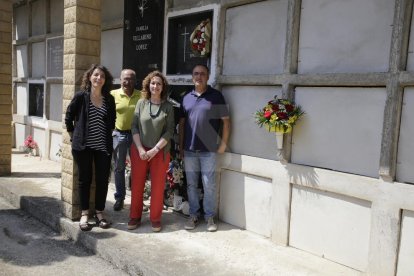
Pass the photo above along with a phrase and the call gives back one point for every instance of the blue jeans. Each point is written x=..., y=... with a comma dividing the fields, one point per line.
x=204, y=163
x=122, y=142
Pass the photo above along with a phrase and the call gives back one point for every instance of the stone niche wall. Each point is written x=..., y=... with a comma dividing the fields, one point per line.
x=405, y=157
x=21, y=17
x=345, y=63
x=38, y=60
x=38, y=17
x=245, y=137
x=320, y=223
x=345, y=36
x=21, y=61
x=405, y=266
x=255, y=38
x=341, y=129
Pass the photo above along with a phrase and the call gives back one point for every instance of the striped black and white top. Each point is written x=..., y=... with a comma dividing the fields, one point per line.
x=96, y=128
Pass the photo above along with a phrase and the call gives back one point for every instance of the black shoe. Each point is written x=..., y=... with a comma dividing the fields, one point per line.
x=101, y=221
x=119, y=204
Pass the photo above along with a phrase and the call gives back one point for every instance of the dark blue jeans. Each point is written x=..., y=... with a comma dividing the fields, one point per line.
x=102, y=165
x=122, y=142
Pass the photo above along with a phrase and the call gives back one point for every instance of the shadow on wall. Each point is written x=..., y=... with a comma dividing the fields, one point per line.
x=302, y=175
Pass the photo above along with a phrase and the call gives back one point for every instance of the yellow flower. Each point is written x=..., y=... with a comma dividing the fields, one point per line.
x=292, y=119
x=273, y=118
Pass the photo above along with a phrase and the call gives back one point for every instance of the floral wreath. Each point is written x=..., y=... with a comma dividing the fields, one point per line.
x=200, y=39
x=278, y=115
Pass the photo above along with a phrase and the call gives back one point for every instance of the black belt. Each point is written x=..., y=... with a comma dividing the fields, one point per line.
x=123, y=131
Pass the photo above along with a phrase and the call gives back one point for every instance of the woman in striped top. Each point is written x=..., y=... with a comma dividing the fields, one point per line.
x=90, y=119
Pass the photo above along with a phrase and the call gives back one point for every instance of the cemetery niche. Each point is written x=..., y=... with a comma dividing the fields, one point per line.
x=143, y=36
x=36, y=98
x=182, y=51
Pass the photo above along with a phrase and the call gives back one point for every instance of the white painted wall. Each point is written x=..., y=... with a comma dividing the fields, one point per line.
x=56, y=16
x=405, y=157
x=330, y=225
x=405, y=266
x=39, y=136
x=55, y=144
x=255, y=32
x=112, y=40
x=38, y=17
x=345, y=36
x=112, y=10
x=246, y=136
x=410, y=57
x=55, y=102
x=22, y=98
x=21, y=18
x=21, y=61
x=21, y=132
x=245, y=201
x=38, y=60
x=111, y=51
x=341, y=129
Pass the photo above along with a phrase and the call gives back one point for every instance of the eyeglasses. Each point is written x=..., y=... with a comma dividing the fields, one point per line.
x=202, y=74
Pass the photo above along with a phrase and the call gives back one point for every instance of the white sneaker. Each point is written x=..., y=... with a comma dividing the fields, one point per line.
x=191, y=223
x=211, y=226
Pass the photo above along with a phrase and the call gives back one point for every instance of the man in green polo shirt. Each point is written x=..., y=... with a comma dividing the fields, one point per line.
x=126, y=98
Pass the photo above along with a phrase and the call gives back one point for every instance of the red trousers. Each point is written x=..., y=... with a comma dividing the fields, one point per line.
x=158, y=171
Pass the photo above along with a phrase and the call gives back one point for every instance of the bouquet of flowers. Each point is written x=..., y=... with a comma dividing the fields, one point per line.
x=127, y=174
x=200, y=38
x=278, y=115
x=175, y=193
x=175, y=174
x=30, y=145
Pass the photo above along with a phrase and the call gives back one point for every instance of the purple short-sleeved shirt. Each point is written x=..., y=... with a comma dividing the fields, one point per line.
x=203, y=116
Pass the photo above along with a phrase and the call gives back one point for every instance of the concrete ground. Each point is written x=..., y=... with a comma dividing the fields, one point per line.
x=34, y=186
x=28, y=247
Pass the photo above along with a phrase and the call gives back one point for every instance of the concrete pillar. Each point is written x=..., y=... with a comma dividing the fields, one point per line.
x=82, y=44
x=5, y=86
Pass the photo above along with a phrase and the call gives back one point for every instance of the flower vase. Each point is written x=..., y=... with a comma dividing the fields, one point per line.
x=35, y=152
x=279, y=140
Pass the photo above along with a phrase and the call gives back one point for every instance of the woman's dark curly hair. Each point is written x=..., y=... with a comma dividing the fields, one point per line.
x=146, y=93
x=86, y=83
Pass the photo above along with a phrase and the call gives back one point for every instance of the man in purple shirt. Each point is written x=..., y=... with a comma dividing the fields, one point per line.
x=203, y=113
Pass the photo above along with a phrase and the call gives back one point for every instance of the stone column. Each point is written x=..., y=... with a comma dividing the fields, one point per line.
x=82, y=44
x=5, y=86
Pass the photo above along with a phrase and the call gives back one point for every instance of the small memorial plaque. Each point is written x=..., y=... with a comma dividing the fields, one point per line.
x=143, y=36
x=55, y=57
